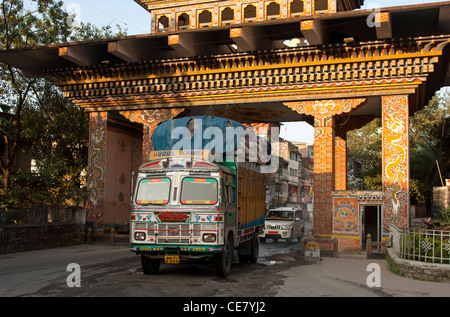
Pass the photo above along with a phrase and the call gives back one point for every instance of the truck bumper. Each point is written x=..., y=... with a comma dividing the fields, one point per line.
x=280, y=234
x=184, y=252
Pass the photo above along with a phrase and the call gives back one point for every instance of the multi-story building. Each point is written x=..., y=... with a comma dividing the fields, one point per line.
x=284, y=185
x=306, y=177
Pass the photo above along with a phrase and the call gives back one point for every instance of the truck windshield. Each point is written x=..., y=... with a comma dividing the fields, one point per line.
x=280, y=215
x=153, y=191
x=199, y=191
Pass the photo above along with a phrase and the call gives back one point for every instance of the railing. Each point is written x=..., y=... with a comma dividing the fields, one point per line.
x=379, y=245
x=431, y=246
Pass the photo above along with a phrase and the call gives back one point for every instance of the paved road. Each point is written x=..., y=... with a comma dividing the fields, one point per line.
x=115, y=271
x=27, y=272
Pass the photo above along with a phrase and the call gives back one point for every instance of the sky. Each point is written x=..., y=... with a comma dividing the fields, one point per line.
x=128, y=14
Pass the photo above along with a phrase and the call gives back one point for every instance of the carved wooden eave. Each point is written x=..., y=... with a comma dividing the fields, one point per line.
x=230, y=65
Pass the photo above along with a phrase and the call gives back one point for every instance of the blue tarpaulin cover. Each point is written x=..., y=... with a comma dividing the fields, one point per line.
x=193, y=132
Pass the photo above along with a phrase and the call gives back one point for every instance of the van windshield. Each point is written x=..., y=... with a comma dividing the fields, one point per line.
x=280, y=215
x=153, y=191
x=199, y=191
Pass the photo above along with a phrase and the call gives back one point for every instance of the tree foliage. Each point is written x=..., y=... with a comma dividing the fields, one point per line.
x=35, y=112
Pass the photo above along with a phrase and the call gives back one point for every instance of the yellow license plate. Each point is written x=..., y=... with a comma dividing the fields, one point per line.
x=172, y=259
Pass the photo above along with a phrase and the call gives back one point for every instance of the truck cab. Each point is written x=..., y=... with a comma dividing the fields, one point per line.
x=283, y=223
x=183, y=208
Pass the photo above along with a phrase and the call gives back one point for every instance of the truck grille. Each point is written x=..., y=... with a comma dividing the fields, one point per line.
x=173, y=233
x=176, y=233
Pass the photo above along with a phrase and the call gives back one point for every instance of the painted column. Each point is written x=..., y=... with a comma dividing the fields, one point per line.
x=324, y=112
x=340, y=163
x=96, y=166
x=395, y=161
x=324, y=174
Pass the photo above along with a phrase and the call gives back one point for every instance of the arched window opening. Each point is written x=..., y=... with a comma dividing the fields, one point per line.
x=250, y=13
x=297, y=8
x=163, y=24
x=321, y=6
x=183, y=21
x=227, y=16
x=205, y=19
x=273, y=11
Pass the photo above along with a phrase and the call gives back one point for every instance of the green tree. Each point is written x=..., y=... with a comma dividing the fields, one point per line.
x=24, y=28
x=364, y=146
x=427, y=146
x=38, y=112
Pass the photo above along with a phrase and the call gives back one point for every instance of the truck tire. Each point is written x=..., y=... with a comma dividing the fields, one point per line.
x=149, y=266
x=255, y=249
x=222, y=261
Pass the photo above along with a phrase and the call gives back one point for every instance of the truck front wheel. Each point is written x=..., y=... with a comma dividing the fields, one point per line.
x=222, y=261
x=149, y=266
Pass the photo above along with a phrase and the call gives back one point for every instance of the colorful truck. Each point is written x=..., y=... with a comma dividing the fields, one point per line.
x=187, y=206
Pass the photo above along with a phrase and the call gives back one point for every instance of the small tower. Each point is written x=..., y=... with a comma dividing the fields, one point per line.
x=172, y=15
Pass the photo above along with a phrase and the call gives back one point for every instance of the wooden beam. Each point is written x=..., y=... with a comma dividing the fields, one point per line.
x=383, y=25
x=183, y=44
x=77, y=54
x=444, y=20
x=314, y=31
x=119, y=49
x=248, y=38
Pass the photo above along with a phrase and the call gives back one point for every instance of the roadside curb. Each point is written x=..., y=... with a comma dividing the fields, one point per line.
x=432, y=272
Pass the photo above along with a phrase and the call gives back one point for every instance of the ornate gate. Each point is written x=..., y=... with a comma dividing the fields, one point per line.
x=256, y=61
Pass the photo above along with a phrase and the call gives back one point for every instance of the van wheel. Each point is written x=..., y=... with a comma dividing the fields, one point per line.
x=222, y=261
x=150, y=266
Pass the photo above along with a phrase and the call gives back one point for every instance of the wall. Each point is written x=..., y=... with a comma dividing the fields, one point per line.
x=441, y=198
x=124, y=153
x=347, y=216
x=19, y=238
x=418, y=270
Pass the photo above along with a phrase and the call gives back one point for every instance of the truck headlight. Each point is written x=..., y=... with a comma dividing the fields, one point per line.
x=209, y=237
x=286, y=227
x=139, y=236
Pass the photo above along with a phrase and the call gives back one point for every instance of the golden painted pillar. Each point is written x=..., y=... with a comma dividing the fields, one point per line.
x=324, y=174
x=395, y=161
x=325, y=167
x=340, y=163
x=96, y=166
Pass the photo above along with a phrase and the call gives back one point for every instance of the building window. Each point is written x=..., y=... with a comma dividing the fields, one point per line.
x=250, y=13
x=227, y=16
x=297, y=8
x=321, y=6
x=273, y=11
x=205, y=19
x=163, y=24
x=183, y=21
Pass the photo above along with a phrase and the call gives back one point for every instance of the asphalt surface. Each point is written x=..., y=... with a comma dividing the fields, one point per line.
x=280, y=272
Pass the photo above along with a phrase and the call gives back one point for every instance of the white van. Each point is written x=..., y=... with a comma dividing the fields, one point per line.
x=283, y=223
